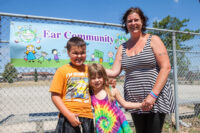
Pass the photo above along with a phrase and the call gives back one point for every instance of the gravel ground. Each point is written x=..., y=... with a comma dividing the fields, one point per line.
x=22, y=98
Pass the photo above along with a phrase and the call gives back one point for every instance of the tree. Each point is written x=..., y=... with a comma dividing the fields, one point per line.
x=173, y=23
x=10, y=73
x=35, y=75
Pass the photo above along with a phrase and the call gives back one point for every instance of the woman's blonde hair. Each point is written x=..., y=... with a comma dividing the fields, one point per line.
x=95, y=69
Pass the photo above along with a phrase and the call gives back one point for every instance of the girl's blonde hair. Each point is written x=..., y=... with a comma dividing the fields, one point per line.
x=95, y=69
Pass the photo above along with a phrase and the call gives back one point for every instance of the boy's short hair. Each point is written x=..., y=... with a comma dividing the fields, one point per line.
x=75, y=41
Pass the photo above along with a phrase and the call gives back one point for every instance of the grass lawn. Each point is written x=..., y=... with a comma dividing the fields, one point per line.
x=47, y=63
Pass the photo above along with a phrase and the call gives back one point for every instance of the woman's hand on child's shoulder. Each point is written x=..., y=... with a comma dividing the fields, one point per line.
x=112, y=82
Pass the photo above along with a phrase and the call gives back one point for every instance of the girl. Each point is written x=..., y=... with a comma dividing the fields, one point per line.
x=108, y=116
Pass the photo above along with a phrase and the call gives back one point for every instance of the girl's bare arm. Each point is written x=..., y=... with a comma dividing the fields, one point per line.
x=124, y=103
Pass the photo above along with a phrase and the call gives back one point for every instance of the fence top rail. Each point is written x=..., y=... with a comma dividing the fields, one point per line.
x=184, y=51
x=175, y=31
x=58, y=19
x=87, y=22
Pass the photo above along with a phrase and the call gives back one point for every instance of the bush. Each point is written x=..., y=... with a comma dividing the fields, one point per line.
x=35, y=76
x=10, y=73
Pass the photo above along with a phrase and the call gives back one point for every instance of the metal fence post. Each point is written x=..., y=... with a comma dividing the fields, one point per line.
x=175, y=80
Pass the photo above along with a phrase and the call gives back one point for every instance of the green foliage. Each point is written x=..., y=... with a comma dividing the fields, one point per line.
x=173, y=23
x=35, y=75
x=166, y=126
x=10, y=73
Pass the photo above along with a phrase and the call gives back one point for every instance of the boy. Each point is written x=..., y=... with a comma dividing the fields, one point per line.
x=70, y=92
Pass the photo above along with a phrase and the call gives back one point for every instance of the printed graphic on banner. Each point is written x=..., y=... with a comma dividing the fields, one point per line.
x=42, y=45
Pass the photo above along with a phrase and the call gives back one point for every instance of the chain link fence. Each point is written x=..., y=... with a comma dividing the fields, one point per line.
x=25, y=103
x=188, y=83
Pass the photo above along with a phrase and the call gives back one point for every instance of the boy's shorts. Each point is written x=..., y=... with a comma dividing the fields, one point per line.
x=64, y=126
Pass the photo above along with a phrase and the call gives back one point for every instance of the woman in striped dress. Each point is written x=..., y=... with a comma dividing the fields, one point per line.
x=145, y=60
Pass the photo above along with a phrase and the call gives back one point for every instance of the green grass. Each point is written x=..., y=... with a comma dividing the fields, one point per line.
x=36, y=63
x=46, y=63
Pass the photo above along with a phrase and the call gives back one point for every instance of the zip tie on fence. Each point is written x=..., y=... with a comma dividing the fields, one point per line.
x=3, y=41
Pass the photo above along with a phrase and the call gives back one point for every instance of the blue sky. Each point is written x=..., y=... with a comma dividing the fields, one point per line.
x=108, y=11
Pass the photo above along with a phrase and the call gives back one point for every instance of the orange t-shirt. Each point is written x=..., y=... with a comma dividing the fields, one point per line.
x=72, y=84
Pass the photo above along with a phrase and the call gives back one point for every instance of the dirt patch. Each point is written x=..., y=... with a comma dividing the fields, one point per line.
x=195, y=125
x=26, y=83
x=192, y=123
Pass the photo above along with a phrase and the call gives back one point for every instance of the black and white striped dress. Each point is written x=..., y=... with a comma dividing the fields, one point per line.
x=141, y=73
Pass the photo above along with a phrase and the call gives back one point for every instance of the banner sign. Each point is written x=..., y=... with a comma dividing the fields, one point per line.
x=42, y=45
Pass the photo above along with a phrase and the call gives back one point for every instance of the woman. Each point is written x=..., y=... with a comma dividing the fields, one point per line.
x=146, y=64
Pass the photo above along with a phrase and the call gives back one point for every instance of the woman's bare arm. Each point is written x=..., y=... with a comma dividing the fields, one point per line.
x=162, y=59
x=116, y=68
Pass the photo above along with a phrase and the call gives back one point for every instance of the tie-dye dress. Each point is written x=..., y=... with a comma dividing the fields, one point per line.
x=108, y=117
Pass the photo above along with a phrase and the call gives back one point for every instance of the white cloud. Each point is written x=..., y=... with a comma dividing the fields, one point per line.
x=176, y=1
